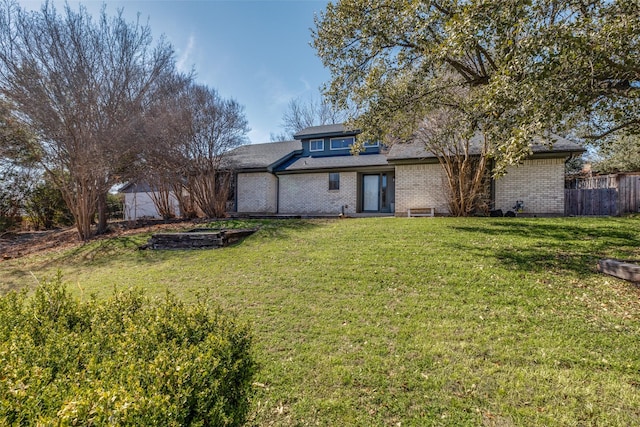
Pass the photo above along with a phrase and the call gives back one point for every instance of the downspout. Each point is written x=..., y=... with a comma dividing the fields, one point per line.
x=277, y=193
x=273, y=169
x=235, y=191
x=273, y=172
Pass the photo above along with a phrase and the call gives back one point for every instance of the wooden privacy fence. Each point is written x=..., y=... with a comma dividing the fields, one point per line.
x=592, y=201
x=604, y=195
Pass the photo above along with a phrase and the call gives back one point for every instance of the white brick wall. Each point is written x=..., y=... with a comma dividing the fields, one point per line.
x=539, y=183
x=310, y=194
x=256, y=192
x=421, y=186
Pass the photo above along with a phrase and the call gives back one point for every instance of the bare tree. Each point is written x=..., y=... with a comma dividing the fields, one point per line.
x=161, y=162
x=187, y=141
x=83, y=85
x=217, y=125
x=301, y=114
x=463, y=156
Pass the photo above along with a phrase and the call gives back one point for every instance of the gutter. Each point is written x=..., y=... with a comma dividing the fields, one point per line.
x=271, y=169
x=277, y=193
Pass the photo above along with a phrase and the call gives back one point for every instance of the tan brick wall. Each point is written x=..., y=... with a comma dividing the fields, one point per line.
x=310, y=194
x=539, y=183
x=420, y=186
x=256, y=192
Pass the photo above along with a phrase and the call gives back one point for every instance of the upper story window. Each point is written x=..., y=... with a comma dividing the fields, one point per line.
x=316, y=145
x=371, y=144
x=341, y=143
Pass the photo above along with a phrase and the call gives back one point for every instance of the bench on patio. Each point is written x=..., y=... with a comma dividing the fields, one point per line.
x=421, y=212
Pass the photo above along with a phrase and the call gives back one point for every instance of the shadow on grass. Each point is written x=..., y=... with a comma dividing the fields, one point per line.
x=559, y=245
x=103, y=250
x=10, y=283
x=278, y=229
x=100, y=250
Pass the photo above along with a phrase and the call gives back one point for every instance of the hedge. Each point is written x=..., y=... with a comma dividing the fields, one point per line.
x=128, y=360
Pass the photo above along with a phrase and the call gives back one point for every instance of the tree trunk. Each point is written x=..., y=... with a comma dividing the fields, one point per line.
x=102, y=213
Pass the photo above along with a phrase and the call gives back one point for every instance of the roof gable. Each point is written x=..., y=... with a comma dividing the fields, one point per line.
x=325, y=131
x=262, y=156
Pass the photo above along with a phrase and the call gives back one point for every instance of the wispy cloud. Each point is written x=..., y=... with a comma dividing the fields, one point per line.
x=274, y=89
x=185, y=62
x=305, y=84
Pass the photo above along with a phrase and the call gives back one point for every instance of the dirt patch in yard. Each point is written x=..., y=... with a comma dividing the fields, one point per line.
x=22, y=243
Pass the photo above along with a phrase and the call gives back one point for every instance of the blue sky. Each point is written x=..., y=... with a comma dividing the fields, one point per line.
x=255, y=51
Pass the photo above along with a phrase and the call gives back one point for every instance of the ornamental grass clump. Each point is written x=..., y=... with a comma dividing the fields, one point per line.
x=128, y=360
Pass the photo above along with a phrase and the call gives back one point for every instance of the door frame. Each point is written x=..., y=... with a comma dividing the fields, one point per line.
x=386, y=191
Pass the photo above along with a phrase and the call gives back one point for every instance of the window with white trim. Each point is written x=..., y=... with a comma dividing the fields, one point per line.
x=316, y=145
x=341, y=143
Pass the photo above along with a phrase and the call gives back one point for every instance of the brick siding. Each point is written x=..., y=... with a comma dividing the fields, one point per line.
x=539, y=183
x=310, y=194
x=420, y=186
x=256, y=192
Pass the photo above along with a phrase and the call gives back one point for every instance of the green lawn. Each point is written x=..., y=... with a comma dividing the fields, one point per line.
x=411, y=322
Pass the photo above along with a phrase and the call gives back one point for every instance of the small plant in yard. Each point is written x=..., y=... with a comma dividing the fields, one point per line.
x=127, y=360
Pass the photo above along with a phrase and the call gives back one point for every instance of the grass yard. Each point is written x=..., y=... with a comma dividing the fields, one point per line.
x=408, y=322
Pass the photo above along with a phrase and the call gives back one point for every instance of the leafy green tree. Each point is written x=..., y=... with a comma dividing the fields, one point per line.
x=574, y=166
x=17, y=158
x=621, y=155
x=45, y=207
x=527, y=66
x=9, y=210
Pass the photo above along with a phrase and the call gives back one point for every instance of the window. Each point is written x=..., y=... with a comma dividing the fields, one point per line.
x=341, y=143
x=316, y=145
x=334, y=181
x=371, y=144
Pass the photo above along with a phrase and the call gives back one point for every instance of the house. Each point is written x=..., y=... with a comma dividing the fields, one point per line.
x=538, y=182
x=320, y=176
x=316, y=174
x=139, y=201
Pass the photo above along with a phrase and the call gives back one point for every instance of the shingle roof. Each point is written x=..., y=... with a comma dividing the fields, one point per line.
x=325, y=130
x=261, y=156
x=135, y=187
x=335, y=162
x=416, y=150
